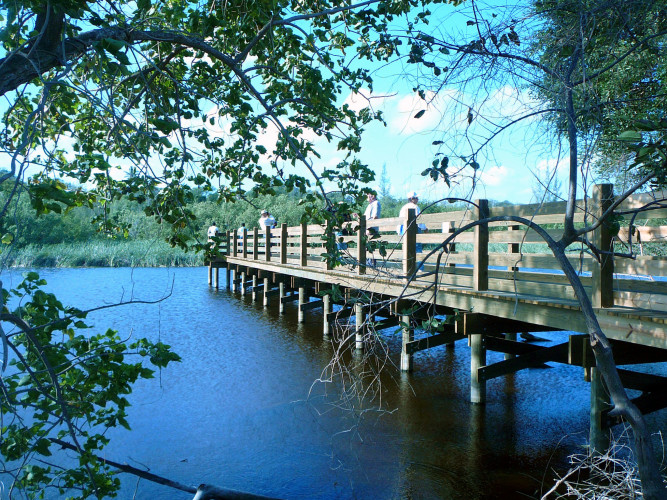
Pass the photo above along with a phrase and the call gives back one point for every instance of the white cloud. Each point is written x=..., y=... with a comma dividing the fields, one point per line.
x=494, y=176
x=402, y=116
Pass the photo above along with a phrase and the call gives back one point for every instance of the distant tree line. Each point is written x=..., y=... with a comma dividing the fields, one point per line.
x=125, y=219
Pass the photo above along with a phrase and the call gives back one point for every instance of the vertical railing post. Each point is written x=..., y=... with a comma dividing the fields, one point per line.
x=603, y=273
x=255, y=243
x=245, y=242
x=480, y=272
x=235, y=246
x=450, y=228
x=361, y=245
x=283, y=243
x=267, y=244
x=410, y=244
x=513, y=248
x=304, y=244
x=330, y=244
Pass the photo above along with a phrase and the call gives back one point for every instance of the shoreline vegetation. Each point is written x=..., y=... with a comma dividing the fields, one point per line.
x=111, y=253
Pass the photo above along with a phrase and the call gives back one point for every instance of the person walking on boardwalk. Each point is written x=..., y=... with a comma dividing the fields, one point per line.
x=266, y=220
x=212, y=231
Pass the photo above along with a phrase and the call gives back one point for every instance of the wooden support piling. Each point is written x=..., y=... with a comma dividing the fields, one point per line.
x=477, y=360
x=326, y=310
x=281, y=294
x=254, y=287
x=473, y=328
x=216, y=273
x=210, y=273
x=267, y=291
x=243, y=279
x=408, y=332
x=302, y=300
x=359, y=327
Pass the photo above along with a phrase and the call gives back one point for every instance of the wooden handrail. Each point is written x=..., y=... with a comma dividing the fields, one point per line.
x=486, y=258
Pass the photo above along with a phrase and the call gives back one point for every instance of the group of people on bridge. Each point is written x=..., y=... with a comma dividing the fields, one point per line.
x=373, y=211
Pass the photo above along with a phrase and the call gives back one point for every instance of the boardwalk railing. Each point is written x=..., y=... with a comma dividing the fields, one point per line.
x=503, y=257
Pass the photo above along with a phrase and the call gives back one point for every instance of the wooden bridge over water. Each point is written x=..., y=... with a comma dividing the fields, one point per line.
x=494, y=282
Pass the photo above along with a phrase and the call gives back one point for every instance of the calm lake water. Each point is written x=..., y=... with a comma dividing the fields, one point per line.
x=243, y=411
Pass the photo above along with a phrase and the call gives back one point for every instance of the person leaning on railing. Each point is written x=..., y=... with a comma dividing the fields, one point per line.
x=413, y=200
x=266, y=220
x=212, y=231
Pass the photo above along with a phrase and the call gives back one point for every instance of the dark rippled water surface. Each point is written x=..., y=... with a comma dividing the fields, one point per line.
x=242, y=410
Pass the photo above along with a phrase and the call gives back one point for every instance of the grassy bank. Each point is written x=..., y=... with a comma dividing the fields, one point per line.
x=100, y=254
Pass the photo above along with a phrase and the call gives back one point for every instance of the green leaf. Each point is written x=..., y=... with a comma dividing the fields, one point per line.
x=420, y=113
x=7, y=238
x=630, y=136
x=165, y=126
x=42, y=447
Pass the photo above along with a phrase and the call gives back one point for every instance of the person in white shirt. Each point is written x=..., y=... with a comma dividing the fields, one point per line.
x=213, y=231
x=266, y=220
x=374, y=209
x=413, y=199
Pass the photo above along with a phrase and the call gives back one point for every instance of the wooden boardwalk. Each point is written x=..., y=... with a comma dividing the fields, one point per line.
x=496, y=281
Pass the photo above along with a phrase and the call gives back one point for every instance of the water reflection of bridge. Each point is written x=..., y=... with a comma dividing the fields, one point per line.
x=494, y=282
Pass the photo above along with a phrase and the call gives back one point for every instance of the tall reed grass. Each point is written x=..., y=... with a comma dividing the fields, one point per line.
x=140, y=253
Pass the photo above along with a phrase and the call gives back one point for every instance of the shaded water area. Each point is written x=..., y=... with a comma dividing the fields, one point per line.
x=243, y=411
